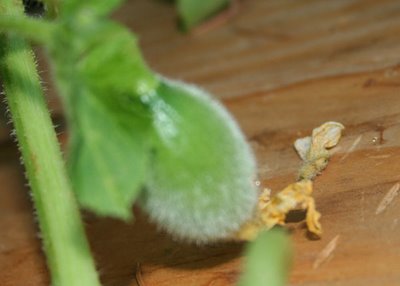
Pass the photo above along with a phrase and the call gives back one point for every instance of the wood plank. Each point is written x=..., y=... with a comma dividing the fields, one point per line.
x=282, y=68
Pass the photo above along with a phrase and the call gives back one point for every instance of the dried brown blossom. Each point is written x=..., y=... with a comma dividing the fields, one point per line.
x=272, y=210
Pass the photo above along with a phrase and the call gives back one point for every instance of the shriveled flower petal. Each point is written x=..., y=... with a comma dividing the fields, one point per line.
x=313, y=150
x=296, y=196
x=264, y=198
x=272, y=210
x=302, y=147
x=327, y=135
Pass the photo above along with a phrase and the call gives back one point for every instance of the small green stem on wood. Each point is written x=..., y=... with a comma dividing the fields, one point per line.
x=64, y=240
x=34, y=29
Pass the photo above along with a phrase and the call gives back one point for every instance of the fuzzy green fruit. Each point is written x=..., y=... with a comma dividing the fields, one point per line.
x=200, y=186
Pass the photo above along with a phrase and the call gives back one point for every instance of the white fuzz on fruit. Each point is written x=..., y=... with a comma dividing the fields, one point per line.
x=201, y=183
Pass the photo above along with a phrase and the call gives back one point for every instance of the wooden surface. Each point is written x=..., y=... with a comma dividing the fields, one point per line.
x=282, y=68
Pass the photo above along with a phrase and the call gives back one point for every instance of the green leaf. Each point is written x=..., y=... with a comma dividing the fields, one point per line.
x=267, y=260
x=192, y=12
x=87, y=49
x=108, y=156
x=98, y=7
x=200, y=186
x=111, y=54
x=102, y=77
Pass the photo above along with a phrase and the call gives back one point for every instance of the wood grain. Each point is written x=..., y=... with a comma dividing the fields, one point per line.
x=282, y=68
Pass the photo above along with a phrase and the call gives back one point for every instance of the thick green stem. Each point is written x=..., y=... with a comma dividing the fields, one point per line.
x=34, y=29
x=64, y=240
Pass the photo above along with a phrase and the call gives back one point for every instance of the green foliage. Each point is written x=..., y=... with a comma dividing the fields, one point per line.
x=267, y=260
x=107, y=158
x=121, y=137
x=98, y=7
x=101, y=76
x=192, y=12
x=130, y=129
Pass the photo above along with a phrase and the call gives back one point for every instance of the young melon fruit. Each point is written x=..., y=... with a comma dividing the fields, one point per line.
x=200, y=186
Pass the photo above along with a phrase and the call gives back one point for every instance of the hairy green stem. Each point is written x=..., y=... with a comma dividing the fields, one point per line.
x=34, y=29
x=65, y=244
